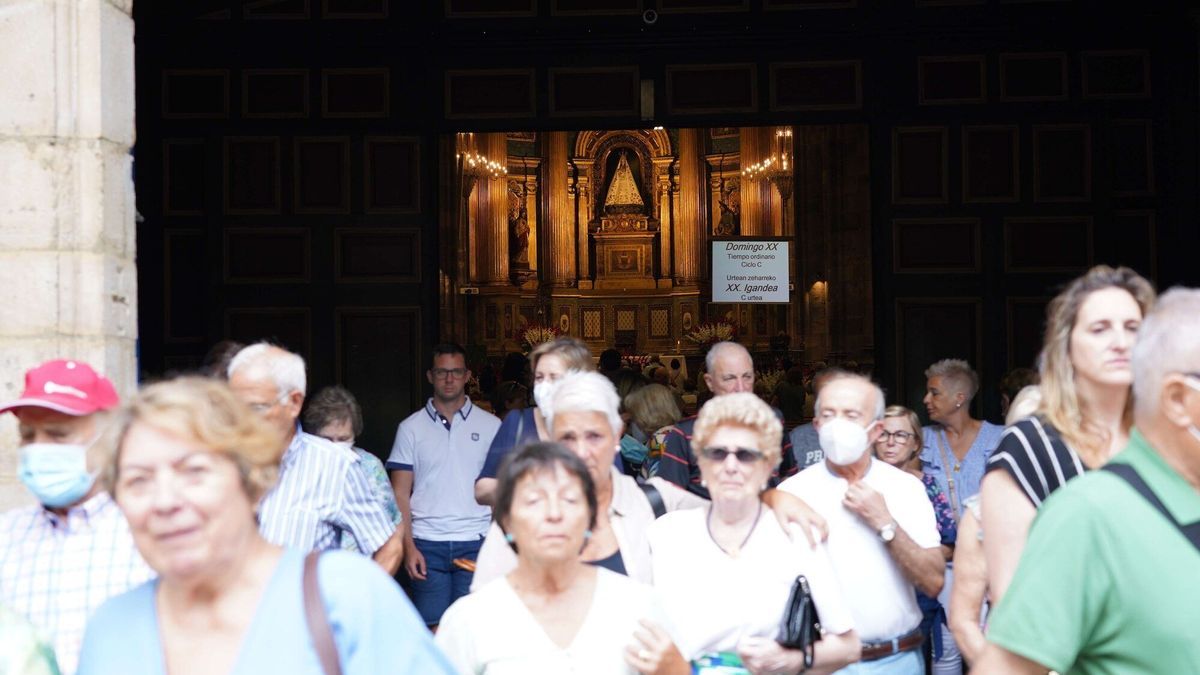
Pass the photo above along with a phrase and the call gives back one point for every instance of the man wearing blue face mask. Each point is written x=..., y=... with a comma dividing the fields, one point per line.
x=61, y=559
x=883, y=537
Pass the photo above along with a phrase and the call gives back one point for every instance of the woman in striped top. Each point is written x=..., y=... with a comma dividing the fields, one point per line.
x=1084, y=417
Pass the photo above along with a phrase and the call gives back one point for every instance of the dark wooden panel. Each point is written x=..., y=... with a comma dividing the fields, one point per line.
x=951, y=79
x=1132, y=157
x=393, y=174
x=816, y=85
x=251, y=175
x=594, y=91
x=195, y=93
x=936, y=245
x=288, y=327
x=490, y=93
x=469, y=9
x=322, y=177
x=1033, y=77
x=378, y=359
x=276, y=9
x=377, y=255
x=1116, y=74
x=919, y=171
x=712, y=88
x=185, y=286
x=354, y=9
x=702, y=6
x=1134, y=241
x=948, y=3
x=1026, y=329
x=930, y=329
x=595, y=7
x=183, y=177
x=491, y=328
x=355, y=92
x=991, y=164
x=808, y=4
x=1062, y=163
x=1047, y=244
x=279, y=93
x=266, y=255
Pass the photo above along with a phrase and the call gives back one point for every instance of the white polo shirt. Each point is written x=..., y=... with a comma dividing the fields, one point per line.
x=445, y=457
x=881, y=599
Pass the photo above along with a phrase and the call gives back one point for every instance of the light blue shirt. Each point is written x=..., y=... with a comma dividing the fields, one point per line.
x=445, y=456
x=966, y=474
x=375, y=628
x=322, y=497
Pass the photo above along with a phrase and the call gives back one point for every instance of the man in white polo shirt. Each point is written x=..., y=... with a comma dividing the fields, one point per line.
x=435, y=459
x=883, y=537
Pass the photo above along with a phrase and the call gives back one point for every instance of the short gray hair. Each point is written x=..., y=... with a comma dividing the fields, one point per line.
x=715, y=352
x=267, y=361
x=880, y=404
x=1166, y=343
x=586, y=391
x=957, y=371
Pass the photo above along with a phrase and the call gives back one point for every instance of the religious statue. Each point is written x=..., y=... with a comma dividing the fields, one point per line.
x=518, y=225
x=623, y=194
x=730, y=222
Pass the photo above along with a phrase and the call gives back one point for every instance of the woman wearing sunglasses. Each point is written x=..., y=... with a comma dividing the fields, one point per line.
x=900, y=446
x=737, y=548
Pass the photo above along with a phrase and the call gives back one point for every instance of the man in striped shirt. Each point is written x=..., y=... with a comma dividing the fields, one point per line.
x=61, y=559
x=323, y=494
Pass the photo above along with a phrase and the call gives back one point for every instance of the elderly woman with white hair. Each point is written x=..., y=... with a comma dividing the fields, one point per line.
x=736, y=541
x=585, y=418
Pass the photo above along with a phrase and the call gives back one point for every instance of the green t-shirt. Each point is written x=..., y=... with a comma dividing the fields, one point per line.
x=1106, y=584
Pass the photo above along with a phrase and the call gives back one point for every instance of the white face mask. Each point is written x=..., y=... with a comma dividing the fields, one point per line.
x=843, y=441
x=543, y=393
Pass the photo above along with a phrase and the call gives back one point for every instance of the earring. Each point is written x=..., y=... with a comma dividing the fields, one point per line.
x=508, y=538
x=703, y=483
x=958, y=405
x=587, y=534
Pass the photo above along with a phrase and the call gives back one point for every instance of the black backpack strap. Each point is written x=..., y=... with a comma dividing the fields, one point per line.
x=655, y=498
x=1131, y=476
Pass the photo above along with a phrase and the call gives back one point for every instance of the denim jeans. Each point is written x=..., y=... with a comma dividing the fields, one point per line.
x=444, y=582
x=904, y=663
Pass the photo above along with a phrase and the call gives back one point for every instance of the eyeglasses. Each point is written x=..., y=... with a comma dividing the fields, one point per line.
x=899, y=436
x=261, y=408
x=744, y=455
x=443, y=373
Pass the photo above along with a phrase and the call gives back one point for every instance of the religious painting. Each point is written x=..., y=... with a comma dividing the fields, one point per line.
x=724, y=132
x=522, y=136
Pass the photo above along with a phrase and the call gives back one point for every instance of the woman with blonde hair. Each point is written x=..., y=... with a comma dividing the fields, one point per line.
x=189, y=465
x=550, y=361
x=1084, y=417
x=652, y=410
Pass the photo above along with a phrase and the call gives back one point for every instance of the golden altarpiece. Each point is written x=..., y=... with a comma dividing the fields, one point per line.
x=604, y=235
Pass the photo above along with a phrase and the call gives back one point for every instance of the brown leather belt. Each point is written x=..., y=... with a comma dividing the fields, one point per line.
x=878, y=650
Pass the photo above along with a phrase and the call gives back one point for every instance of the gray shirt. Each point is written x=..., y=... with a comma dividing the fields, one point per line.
x=806, y=446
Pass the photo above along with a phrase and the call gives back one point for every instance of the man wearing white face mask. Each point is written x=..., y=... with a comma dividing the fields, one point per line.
x=63, y=558
x=883, y=537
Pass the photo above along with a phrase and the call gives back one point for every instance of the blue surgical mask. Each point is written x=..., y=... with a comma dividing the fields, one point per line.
x=56, y=473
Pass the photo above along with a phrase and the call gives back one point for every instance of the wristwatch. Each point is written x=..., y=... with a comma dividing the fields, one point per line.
x=888, y=532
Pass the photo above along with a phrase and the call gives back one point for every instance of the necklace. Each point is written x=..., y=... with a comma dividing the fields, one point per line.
x=732, y=554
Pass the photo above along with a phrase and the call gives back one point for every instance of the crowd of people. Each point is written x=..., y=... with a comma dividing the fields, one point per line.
x=225, y=522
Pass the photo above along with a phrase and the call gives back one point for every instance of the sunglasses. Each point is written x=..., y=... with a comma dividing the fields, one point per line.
x=744, y=455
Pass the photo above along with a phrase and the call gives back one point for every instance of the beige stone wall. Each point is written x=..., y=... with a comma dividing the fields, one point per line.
x=68, y=285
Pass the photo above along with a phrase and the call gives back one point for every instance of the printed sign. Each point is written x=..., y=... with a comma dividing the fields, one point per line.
x=750, y=271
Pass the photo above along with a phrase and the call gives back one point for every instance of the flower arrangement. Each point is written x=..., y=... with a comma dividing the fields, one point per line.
x=708, y=334
x=769, y=379
x=536, y=334
x=635, y=361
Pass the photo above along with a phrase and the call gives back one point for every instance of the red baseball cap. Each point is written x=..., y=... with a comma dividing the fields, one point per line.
x=69, y=387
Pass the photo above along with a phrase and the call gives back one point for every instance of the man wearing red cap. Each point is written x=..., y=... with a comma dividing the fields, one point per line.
x=63, y=558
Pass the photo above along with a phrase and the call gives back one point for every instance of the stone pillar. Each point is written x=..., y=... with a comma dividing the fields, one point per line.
x=691, y=226
x=491, y=219
x=758, y=197
x=67, y=231
x=558, y=265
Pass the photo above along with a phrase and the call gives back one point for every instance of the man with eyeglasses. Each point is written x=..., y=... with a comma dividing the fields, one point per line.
x=323, y=495
x=883, y=537
x=438, y=452
x=1107, y=580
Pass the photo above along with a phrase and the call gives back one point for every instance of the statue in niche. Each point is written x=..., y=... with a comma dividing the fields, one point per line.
x=730, y=223
x=518, y=225
x=623, y=195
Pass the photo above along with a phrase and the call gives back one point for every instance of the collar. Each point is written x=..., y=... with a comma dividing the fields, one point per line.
x=1176, y=493
x=85, y=512
x=463, y=412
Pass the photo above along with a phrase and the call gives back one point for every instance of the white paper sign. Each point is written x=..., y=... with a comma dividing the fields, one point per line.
x=750, y=270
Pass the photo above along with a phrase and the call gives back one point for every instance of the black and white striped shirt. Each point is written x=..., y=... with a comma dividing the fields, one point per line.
x=1037, y=458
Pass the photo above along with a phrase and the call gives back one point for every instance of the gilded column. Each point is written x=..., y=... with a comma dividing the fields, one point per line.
x=582, y=189
x=491, y=219
x=558, y=265
x=758, y=217
x=662, y=188
x=691, y=226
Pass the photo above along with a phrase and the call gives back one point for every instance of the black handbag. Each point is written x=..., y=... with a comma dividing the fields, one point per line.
x=801, y=627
